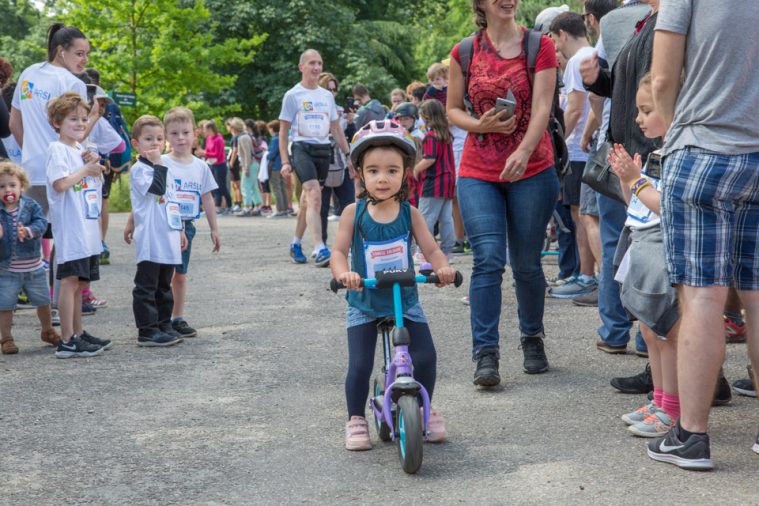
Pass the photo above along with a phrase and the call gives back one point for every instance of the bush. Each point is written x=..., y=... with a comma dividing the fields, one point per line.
x=118, y=201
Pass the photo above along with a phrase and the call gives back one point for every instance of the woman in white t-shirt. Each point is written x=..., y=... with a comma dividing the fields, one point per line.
x=67, y=54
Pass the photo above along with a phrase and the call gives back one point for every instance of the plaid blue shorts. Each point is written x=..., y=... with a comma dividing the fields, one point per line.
x=710, y=218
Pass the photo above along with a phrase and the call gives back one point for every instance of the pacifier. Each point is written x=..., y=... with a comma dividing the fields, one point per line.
x=9, y=198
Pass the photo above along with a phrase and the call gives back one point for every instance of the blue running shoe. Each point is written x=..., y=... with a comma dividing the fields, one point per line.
x=322, y=258
x=296, y=253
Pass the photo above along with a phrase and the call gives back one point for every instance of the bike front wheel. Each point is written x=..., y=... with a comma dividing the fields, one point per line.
x=409, y=432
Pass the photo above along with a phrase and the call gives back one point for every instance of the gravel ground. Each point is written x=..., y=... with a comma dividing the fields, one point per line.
x=252, y=411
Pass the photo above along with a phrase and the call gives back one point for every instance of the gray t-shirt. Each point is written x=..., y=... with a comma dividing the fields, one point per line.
x=717, y=105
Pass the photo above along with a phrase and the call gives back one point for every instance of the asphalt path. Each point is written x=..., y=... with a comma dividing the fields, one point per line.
x=252, y=411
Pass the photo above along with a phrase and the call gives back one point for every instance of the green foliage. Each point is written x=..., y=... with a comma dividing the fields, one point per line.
x=22, y=34
x=118, y=199
x=163, y=51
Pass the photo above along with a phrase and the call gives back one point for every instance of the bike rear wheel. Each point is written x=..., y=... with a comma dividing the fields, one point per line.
x=409, y=431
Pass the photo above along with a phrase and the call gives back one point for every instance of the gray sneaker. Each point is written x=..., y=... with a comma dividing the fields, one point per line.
x=587, y=300
x=573, y=288
x=656, y=425
x=639, y=414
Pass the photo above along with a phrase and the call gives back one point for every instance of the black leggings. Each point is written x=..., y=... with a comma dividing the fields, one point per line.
x=362, y=341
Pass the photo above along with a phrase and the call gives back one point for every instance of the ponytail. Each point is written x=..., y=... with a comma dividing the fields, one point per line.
x=61, y=35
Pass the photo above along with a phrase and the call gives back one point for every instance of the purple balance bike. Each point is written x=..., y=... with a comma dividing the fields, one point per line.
x=395, y=401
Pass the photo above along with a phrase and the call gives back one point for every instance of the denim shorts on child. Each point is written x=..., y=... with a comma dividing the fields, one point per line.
x=646, y=293
x=356, y=317
x=189, y=231
x=710, y=218
x=34, y=284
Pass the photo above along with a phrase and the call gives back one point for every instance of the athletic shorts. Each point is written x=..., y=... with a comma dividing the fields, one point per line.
x=311, y=161
x=570, y=186
x=34, y=284
x=265, y=187
x=86, y=269
x=588, y=201
x=710, y=218
x=107, y=182
x=234, y=172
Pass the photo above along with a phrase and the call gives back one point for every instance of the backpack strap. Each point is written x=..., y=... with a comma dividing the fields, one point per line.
x=531, y=46
x=466, y=52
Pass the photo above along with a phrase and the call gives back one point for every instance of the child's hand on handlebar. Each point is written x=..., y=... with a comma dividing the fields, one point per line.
x=351, y=280
x=446, y=275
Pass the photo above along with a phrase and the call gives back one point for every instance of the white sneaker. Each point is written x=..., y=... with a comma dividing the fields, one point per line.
x=333, y=217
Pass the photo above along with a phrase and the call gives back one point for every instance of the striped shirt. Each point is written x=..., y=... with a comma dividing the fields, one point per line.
x=440, y=179
x=22, y=264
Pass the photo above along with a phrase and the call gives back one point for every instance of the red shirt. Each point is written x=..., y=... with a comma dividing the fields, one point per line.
x=491, y=76
x=440, y=179
x=215, y=149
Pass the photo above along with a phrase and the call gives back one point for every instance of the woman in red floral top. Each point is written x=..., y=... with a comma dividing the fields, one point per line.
x=507, y=186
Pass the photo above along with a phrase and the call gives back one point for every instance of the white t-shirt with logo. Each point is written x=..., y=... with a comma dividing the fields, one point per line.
x=104, y=136
x=157, y=221
x=573, y=83
x=639, y=216
x=310, y=112
x=190, y=181
x=74, y=213
x=37, y=85
x=13, y=149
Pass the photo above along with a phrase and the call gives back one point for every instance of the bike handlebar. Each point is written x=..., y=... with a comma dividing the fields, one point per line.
x=458, y=279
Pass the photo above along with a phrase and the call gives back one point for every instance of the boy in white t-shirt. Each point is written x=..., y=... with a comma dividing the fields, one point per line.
x=193, y=184
x=74, y=184
x=155, y=225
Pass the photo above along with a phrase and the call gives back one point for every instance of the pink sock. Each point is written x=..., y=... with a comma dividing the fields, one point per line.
x=671, y=405
x=658, y=395
x=85, y=292
x=46, y=248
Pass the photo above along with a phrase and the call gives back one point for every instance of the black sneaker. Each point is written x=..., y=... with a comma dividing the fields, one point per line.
x=639, y=384
x=168, y=329
x=158, y=339
x=96, y=341
x=535, y=361
x=77, y=348
x=692, y=454
x=746, y=386
x=88, y=309
x=722, y=394
x=756, y=445
x=486, y=374
x=183, y=328
x=458, y=248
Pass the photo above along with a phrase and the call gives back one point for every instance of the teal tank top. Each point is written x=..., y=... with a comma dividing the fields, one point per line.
x=383, y=244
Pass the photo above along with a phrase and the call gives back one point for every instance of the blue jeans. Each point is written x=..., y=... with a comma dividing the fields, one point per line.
x=615, y=325
x=493, y=212
x=569, y=255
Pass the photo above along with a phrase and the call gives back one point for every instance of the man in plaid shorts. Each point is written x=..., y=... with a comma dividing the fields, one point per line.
x=710, y=197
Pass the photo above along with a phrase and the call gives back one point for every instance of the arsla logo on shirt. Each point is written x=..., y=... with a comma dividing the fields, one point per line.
x=28, y=91
x=308, y=106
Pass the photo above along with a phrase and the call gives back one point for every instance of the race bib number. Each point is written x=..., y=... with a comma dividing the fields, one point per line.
x=189, y=204
x=313, y=124
x=387, y=255
x=638, y=211
x=91, y=204
x=174, y=215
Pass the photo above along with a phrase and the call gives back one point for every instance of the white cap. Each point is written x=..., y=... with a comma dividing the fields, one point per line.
x=545, y=18
x=100, y=93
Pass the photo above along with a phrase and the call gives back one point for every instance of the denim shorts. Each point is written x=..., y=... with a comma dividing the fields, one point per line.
x=356, y=317
x=588, y=201
x=189, y=231
x=34, y=284
x=710, y=218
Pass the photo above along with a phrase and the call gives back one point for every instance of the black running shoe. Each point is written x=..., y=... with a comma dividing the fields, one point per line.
x=746, y=386
x=77, y=348
x=722, y=394
x=96, y=341
x=183, y=328
x=168, y=329
x=692, y=454
x=486, y=374
x=535, y=361
x=88, y=309
x=639, y=384
x=158, y=339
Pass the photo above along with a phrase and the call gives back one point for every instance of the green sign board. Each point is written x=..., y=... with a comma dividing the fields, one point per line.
x=125, y=98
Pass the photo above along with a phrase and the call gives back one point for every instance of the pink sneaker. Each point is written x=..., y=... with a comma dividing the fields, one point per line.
x=357, y=434
x=436, y=432
x=94, y=301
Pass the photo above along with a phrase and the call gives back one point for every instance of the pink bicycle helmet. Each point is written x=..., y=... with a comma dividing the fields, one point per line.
x=381, y=133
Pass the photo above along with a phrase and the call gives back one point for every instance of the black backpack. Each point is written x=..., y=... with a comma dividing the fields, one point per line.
x=531, y=46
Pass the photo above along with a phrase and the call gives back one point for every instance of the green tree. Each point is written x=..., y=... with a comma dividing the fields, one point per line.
x=22, y=33
x=163, y=51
